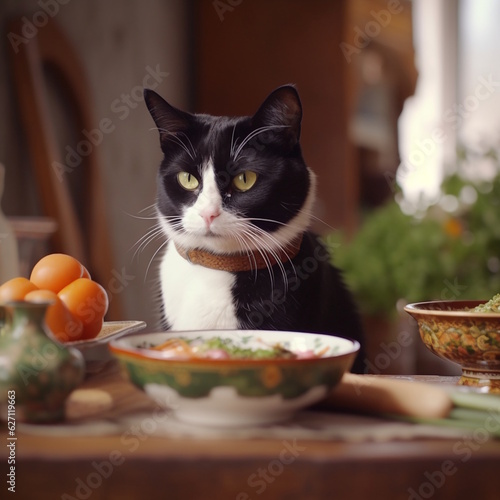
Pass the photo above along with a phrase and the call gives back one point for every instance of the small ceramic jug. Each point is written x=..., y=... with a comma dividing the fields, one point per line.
x=39, y=371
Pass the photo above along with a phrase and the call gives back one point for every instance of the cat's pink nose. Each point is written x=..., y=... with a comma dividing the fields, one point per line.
x=210, y=216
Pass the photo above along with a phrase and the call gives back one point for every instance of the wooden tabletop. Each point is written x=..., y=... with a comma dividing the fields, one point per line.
x=137, y=463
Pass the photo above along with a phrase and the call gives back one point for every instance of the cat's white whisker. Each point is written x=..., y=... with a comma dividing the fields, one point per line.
x=309, y=213
x=151, y=207
x=152, y=234
x=279, y=247
x=152, y=259
x=153, y=217
x=245, y=248
x=190, y=144
x=154, y=229
x=262, y=235
x=233, y=143
x=271, y=238
x=174, y=221
x=253, y=134
x=265, y=243
x=174, y=137
x=274, y=221
x=264, y=255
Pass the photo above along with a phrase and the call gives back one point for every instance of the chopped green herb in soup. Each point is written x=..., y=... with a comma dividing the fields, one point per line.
x=225, y=348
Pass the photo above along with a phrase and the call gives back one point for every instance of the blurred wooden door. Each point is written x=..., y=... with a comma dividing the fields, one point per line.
x=246, y=49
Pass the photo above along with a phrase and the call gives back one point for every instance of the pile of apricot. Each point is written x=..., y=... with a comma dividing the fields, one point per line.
x=78, y=304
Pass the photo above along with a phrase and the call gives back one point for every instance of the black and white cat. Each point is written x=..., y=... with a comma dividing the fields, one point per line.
x=235, y=200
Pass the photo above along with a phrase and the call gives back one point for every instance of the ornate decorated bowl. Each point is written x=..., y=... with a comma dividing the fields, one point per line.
x=471, y=339
x=236, y=392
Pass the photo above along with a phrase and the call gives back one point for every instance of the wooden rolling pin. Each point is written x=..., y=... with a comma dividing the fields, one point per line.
x=381, y=395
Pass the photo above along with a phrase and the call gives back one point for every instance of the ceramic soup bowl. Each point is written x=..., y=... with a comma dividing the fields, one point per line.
x=471, y=339
x=232, y=392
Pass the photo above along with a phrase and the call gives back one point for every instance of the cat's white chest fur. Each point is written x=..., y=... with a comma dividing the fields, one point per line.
x=195, y=297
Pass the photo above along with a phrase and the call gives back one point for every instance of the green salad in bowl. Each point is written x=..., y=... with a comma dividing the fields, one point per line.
x=492, y=306
x=218, y=347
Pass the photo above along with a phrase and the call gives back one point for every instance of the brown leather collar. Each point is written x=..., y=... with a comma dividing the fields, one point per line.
x=240, y=261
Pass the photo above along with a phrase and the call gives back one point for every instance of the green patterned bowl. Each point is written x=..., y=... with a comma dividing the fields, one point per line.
x=236, y=392
x=470, y=339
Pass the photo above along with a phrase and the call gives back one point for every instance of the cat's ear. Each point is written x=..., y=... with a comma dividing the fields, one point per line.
x=281, y=110
x=169, y=120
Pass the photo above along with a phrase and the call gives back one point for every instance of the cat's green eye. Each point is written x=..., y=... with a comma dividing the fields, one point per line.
x=245, y=180
x=187, y=181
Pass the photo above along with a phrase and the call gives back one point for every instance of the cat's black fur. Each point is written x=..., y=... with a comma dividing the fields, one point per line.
x=306, y=294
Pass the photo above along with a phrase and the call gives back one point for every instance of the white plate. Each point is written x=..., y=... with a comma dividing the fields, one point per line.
x=110, y=330
x=95, y=351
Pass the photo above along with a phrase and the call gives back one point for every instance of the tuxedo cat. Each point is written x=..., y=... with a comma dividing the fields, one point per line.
x=235, y=200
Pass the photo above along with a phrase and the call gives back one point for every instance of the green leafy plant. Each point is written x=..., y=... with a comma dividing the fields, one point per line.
x=450, y=250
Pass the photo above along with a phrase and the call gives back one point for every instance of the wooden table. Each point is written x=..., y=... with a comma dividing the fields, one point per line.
x=138, y=465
